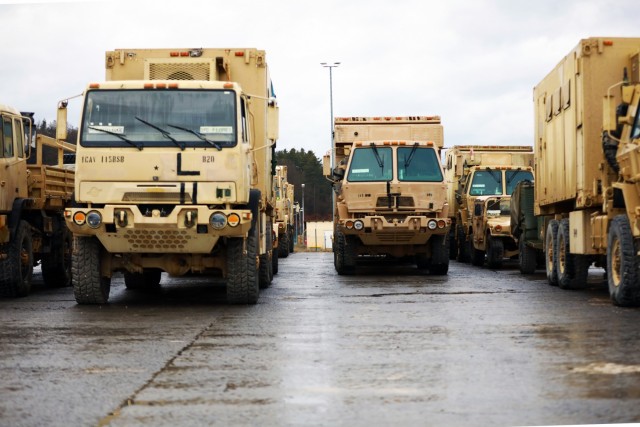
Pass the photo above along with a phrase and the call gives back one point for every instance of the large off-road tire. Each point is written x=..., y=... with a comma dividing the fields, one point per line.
x=89, y=286
x=477, y=256
x=344, y=255
x=572, y=269
x=622, y=264
x=439, y=262
x=16, y=269
x=453, y=249
x=147, y=280
x=550, y=252
x=527, y=257
x=56, y=265
x=495, y=252
x=274, y=261
x=291, y=241
x=265, y=270
x=242, y=270
x=464, y=247
x=283, y=245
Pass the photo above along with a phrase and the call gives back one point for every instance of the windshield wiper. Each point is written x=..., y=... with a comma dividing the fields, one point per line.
x=122, y=137
x=199, y=135
x=375, y=152
x=163, y=132
x=413, y=151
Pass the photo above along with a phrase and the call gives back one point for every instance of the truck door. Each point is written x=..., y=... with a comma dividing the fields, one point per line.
x=8, y=162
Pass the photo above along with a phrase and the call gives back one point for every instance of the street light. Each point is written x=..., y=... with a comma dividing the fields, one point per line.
x=331, y=66
x=304, y=229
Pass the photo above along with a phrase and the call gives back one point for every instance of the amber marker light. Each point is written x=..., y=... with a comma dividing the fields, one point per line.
x=79, y=218
x=233, y=219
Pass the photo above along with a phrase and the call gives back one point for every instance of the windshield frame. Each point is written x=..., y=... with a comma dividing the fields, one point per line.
x=163, y=133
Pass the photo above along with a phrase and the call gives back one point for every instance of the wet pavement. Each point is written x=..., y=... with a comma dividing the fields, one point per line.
x=388, y=346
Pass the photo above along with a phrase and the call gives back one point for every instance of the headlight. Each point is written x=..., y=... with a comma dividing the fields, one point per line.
x=358, y=225
x=218, y=220
x=94, y=219
x=442, y=223
x=432, y=224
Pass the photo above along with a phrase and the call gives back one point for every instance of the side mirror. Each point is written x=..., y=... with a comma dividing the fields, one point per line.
x=61, y=123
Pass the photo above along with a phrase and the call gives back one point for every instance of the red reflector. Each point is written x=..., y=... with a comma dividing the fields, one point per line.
x=148, y=86
x=94, y=86
x=608, y=42
x=173, y=85
x=161, y=85
x=174, y=54
x=239, y=53
x=184, y=53
x=228, y=85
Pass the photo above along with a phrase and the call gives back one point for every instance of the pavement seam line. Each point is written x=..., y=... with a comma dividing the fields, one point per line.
x=129, y=401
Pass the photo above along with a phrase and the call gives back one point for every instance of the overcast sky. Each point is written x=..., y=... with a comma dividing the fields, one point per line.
x=474, y=63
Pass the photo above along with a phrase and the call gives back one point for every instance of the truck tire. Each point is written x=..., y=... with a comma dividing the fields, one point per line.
x=464, y=247
x=283, y=245
x=344, y=255
x=265, y=270
x=56, y=265
x=527, y=257
x=453, y=249
x=16, y=269
x=291, y=241
x=439, y=262
x=477, y=256
x=550, y=252
x=148, y=279
x=274, y=261
x=89, y=286
x=242, y=270
x=622, y=264
x=495, y=252
x=572, y=269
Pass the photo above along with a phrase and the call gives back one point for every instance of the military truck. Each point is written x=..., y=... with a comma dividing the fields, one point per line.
x=587, y=181
x=174, y=171
x=32, y=203
x=284, y=212
x=390, y=192
x=481, y=180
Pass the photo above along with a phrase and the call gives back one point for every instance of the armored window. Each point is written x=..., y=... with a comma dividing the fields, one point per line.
x=418, y=164
x=371, y=164
x=7, y=137
x=513, y=177
x=486, y=183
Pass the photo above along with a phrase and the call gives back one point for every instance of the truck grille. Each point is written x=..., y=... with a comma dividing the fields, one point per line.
x=157, y=239
x=397, y=237
x=186, y=71
x=403, y=202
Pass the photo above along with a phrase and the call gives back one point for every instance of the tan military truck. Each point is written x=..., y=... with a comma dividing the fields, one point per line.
x=587, y=148
x=284, y=212
x=481, y=180
x=174, y=171
x=390, y=192
x=32, y=201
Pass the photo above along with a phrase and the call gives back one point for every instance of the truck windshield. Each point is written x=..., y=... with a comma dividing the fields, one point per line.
x=514, y=177
x=418, y=164
x=486, y=182
x=635, y=132
x=371, y=164
x=182, y=118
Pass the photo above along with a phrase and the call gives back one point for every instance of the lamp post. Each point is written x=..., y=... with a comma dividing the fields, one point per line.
x=331, y=66
x=304, y=229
